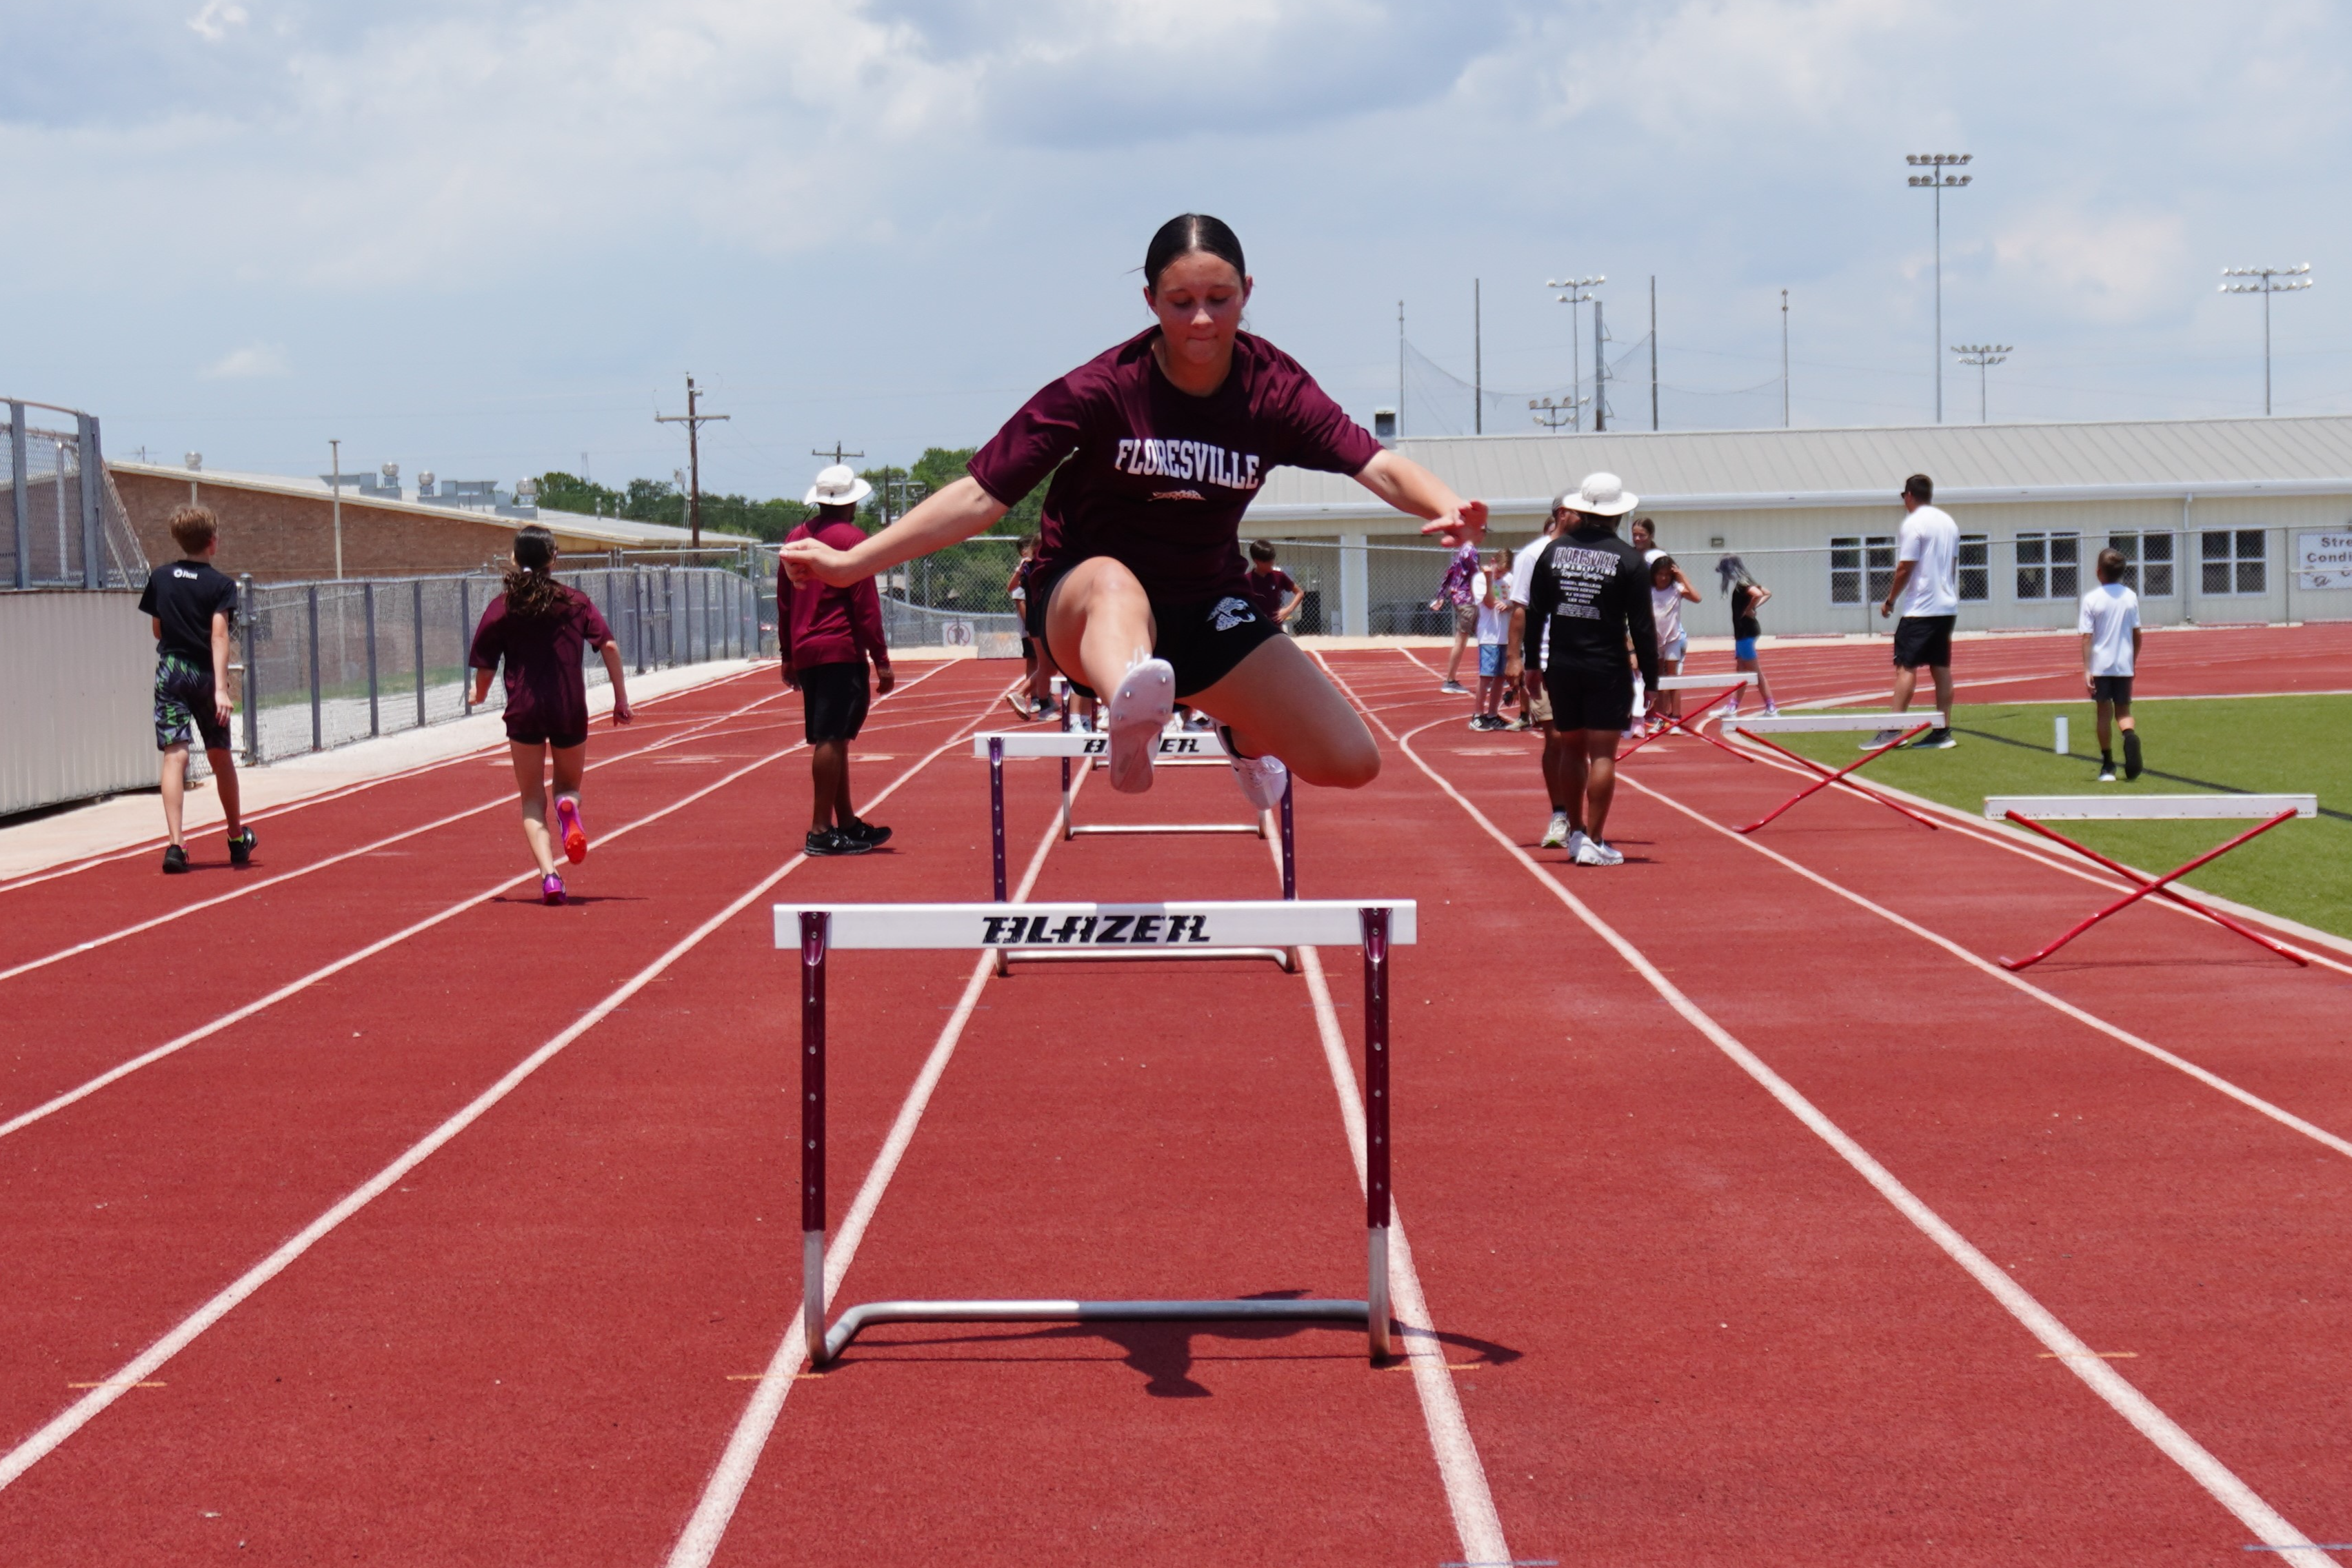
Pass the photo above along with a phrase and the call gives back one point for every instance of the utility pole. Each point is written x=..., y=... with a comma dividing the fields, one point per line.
x=1599, y=371
x=694, y=421
x=1784, y=359
x=336, y=447
x=1981, y=355
x=1477, y=367
x=1653, y=351
x=1938, y=179
x=1399, y=367
x=2269, y=286
x=1576, y=296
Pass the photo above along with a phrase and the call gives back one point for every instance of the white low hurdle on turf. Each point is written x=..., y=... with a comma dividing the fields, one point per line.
x=1174, y=746
x=1763, y=728
x=2029, y=811
x=1376, y=925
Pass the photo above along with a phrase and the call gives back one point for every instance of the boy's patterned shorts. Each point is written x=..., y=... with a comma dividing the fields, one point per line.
x=183, y=706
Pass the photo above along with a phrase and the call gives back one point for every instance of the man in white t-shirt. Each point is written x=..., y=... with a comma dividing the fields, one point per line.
x=2110, y=626
x=1537, y=701
x=1928, y=582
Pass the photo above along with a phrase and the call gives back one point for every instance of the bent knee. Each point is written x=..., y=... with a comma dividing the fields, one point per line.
x=1352, y=767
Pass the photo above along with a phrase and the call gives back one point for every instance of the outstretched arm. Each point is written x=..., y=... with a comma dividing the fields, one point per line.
x=941, y=519
x=1408, y=487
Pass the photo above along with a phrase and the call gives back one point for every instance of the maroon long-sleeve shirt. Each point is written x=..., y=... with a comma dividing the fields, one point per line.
x=823, y=624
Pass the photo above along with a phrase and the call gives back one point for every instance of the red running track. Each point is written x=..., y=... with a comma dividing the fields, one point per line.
x=1684, y=1326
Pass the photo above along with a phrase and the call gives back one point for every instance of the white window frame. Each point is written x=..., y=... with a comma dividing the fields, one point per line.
x=2238, y=567
x=1869, y=567
x=2054, y=556
x=2148, y=578
x=1973, y=568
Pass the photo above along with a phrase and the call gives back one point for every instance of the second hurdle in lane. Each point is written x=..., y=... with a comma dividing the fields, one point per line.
x=1124, y=929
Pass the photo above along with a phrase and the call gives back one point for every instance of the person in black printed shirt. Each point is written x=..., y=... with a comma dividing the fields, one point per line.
x=1154, y=449
x=192, y=608
x=1592, y=590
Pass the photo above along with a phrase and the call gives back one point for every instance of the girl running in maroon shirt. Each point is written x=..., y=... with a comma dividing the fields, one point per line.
x=1155, y=449
x=540, y=628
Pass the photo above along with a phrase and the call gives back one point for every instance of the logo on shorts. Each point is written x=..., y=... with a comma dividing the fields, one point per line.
x=1231, y=613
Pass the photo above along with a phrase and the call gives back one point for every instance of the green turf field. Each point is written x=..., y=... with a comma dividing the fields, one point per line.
x=2301, y=869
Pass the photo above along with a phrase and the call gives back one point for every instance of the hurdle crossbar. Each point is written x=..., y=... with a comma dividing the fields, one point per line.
x=1688, y=722
x=2029, y=811
x=1375, y=925
x=1762, y=728
x=1174, y=746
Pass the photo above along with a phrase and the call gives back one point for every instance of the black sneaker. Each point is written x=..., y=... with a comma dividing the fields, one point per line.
x=1935, y=741
x=175, y=860
x=240, y=849
x=2131, y=753
x=873, y=835
x=833, y=841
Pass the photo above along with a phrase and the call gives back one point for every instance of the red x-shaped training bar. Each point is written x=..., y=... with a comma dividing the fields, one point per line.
x=1687, y=723
x=2158, y=885
x=1839, y=777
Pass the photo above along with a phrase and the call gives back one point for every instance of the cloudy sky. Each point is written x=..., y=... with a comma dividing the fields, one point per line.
x=488, y=238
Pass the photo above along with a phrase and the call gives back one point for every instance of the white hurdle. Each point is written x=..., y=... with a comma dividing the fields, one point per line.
x=1762, y=728
x=1112, y=929
x=2029, y=811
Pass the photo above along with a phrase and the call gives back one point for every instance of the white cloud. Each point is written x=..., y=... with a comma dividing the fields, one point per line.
x=2113, y=267
x=252, y=363
x=213, y=23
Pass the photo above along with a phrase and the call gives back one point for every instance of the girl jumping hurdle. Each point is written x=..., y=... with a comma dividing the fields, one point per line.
x=1155, y=448
x=540, y=628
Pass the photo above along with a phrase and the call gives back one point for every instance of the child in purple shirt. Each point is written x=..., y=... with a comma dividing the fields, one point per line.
x=539, y=629
x=1154, y=449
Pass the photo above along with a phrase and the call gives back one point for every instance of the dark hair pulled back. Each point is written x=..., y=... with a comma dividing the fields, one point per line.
x=1181, y=236
x=532, y=590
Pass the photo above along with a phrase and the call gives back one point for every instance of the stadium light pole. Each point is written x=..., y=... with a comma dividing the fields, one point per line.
x=1575, y=295
x=1938, y=179
x=1784, y=359
x=2269, y=284
x=1981, y=355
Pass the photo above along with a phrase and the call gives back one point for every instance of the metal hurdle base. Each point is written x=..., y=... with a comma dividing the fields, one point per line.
x=858, y=1318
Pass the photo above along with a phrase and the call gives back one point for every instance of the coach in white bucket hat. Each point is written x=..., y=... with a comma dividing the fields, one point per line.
x=837, y=486
x=1600, y=495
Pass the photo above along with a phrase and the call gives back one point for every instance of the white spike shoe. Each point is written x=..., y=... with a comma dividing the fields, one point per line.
x=1137, y=713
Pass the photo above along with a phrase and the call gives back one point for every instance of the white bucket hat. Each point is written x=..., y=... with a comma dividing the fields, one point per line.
x=839, y=486
x=1602, y=495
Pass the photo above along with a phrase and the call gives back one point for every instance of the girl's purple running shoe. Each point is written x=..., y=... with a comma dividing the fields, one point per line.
x=551, y=889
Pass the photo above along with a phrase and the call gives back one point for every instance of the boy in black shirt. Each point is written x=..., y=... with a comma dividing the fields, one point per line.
x=1592, y=590
x=191, y=608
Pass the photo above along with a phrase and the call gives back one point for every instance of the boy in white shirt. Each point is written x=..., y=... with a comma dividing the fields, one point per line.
x=2110, y=626
x=1494, y=632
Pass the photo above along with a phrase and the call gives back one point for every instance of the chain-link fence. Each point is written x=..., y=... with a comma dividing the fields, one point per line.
x=61, y=524
x=328, y=663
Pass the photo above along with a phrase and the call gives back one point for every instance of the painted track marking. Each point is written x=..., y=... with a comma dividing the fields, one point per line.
x=44, y=1441
x=2174, y=1442
x=303, y=982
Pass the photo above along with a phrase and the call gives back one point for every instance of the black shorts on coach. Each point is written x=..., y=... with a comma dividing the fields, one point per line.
x=1590, y=699
x=1202, y=641
x=2111, y=688
x=833, y=698
x=1924, y=640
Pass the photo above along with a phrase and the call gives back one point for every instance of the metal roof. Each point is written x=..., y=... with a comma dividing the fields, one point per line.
x=1722, y=469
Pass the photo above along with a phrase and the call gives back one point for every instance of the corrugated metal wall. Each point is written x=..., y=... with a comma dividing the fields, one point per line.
x=76, y=705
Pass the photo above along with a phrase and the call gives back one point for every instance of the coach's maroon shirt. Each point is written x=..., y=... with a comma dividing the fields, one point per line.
x=819, y=623
x=1157, y=478
x=546, y=692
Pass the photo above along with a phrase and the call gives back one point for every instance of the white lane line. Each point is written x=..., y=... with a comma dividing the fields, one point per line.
x=2210, y=1079
x=2099, y=1375
x=303, y=982
x=694, y=732
x=1475, y=1524
x=706, y=1526
x=149, y=846
x=144, y=1365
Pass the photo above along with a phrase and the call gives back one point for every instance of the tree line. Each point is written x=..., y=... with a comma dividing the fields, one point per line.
x=653, y=501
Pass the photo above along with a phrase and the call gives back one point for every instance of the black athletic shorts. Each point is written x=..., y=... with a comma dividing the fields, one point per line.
x=2111, y=688
x=1201, y=639
x=1586, y=699
x=184, y=705
x=834, y=700
x=531, y=736
x=1924, y=640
